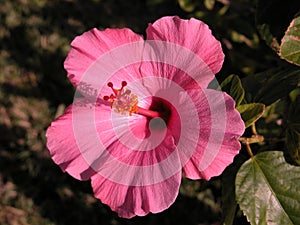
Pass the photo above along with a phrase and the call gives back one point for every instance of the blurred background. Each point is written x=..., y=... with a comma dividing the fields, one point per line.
x=35, y=38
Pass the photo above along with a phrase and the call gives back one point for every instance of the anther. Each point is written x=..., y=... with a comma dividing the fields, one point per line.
x=110, y=84
x=123, y=101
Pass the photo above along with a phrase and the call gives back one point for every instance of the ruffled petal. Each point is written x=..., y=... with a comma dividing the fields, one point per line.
x=220, y=127
x=92, y=132
x=192, y=34
x=129, y=201
x=138, y=177
x=91, y=140
x=88, y=47
x=61, y=143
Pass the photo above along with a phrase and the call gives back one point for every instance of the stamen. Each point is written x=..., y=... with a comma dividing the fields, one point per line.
x=123, y=102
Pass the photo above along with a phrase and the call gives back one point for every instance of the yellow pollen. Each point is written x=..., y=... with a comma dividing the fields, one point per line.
x=123, y=101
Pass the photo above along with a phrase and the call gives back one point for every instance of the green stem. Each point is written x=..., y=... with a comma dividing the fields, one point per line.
x=255, y=138
x=249, y=150
x=254, y=131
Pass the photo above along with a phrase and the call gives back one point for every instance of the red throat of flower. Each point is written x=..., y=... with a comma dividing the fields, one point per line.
x=123, y=102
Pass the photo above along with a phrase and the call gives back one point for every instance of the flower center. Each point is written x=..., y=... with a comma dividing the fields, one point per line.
x=163, y=107
x=125, y=102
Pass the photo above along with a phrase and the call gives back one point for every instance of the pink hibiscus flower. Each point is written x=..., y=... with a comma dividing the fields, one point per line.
x=142, y=114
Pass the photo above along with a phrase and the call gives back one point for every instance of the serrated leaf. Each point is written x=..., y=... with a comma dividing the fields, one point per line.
x=290, y=43
x=268, y=190
x=251, y=112
x=269, y=86
x=293, y=131
x=232, y=85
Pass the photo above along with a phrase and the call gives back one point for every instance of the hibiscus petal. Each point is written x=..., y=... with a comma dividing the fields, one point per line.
x=63, y=148
x=129, y=201
x=86, y=140
x=150, y=184
x=220, y=127
x=88, y=47
x=191, y=34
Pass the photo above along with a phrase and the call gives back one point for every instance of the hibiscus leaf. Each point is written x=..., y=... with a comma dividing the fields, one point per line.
x=293, y=131
x=232, y=85
x=290, y=44
x=266, y=35
x=268, y=190
x=269, y=86
x=251, y=112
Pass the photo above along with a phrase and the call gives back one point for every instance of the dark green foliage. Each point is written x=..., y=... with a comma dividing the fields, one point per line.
x=267, y=190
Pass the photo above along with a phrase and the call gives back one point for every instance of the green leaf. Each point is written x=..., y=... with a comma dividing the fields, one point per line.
x=294, y=94
x=268, y=190
x=266, y=35
x=251, y=112
x=290, y=44
x=293, y=144
x=232, y=85
x=293, y=131
x=271, y=85
x=209, y=4
x=187, y=5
